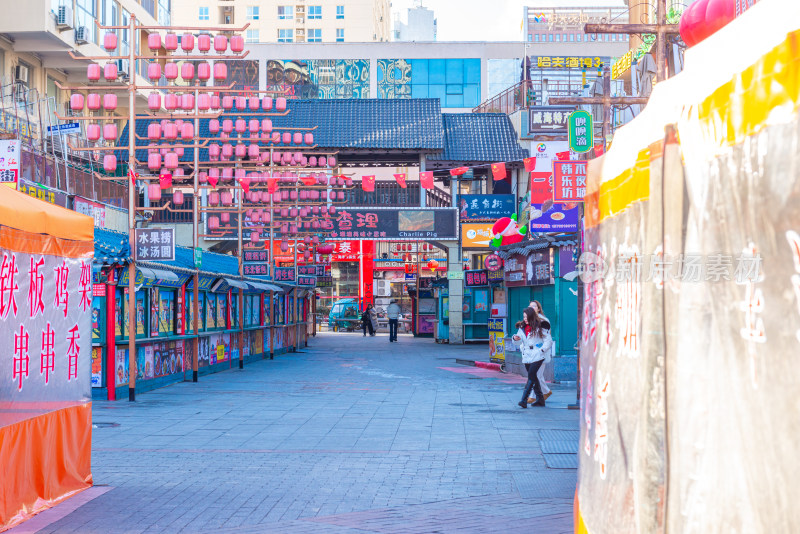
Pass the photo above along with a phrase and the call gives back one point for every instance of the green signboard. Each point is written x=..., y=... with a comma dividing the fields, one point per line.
x=581, y=131
x=198, y=258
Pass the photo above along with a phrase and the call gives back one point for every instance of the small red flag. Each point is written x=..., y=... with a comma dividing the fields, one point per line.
x=499, y=171
x=401, y=179
x=165, y=180
x=308, y=180
x=563, y=156
x=458, y=171
x=272, y=184
x=530, y=164
x=599, y=150
x=426, y=179
x=213, y=180
x=134, y=176
x=368, y=183
x=245, y=183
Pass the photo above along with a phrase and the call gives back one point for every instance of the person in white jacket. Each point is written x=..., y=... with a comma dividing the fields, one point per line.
x=545, y=388
x=533, y=339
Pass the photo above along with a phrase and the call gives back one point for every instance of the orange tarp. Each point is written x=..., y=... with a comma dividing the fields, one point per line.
x=29, y=214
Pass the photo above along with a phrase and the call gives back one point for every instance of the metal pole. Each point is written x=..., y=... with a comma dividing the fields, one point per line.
x=240, y=294
x=195, y=245
x=132, y=321
x=271, y=262
x=661, y=42
x=294, y=296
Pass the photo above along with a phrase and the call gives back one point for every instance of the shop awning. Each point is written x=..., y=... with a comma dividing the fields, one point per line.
x=157, y=274
x=263, y=286
x=236, y=283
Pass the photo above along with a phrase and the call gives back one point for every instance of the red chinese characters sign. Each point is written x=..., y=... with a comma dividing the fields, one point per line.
x=569, y=181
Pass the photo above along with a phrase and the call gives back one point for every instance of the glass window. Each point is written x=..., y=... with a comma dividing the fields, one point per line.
x=210, y=310
x=565, y=37
x=536, y=37
x=285, y=36
x=419, y=72
x=203, y=13
x=286, y=12
x=339, y=12
x=314, y=12
x=314, y=35
x=252, y=12
x=164, y=12
x=472, y=70
x=86, y=14
x=339, y=35
x=572, y=37
x=550, y=37
x=558, y=37
x=455, y=71
x=251, y=36
x=436, y=71
x=472, y=95
x=222, y=311
x=580, y=37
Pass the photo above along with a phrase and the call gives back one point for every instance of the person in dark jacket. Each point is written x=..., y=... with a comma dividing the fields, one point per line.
x=366, y=320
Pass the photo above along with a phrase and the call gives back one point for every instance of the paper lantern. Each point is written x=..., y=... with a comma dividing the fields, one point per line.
x=93, y=101
x=213, y=151
x=154, y=161
x=227, y=126
x=284, y=246
x=203, y=101
x=213, y=198
x=179, y=171
x=177, y=197
x=433, y=264
x=213, y=222
x=227, y=150
x=110, y=72
x=293, y=195
x=226, y=198
x=154, y=71
x=240, y=151
x=285, y=213
x=110, y=132
x=241, y=126
x=110, y=163
x=225, y=217
x=171, y=160
x=237, y=43
x=202, y=177
x=187, y=130
x=323, y=162
x=171, y=71
x=109, y=101
x=213, y=174
x=187, y=42
x=76, y=102
x=154, y=191
x=332, y=209
x=203, y=71
x=266, y=125
x=110, y=41
x=220, y=43
x=154, y=41
x=215, y=102
x=276, y=137
x=241, y=103
x=204, y=42
x=309, y=139
x=253, y=103
x=170, y=131
x=298, y=138
x=340, y=195
x=171, y=41
x=93, y=132
x=213, y=126
x=266, y=103
x=93, y=72
x=287, y=138
x=187, y=102
x=227, y=174
x=171, y=101
x=280, y=104
x=252, y=151
x=220, y=69
x=254, y=237
x=331, y=161
x=312, y=161
x=154, y=101
x=187, y=71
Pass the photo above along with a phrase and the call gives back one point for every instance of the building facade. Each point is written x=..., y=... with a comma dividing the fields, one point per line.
x=291, y=21
x=565, y=24
x=420, y=25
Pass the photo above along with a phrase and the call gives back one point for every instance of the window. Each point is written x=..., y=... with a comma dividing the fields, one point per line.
x=285, y=12
x=314, y=35
x=339, y=35
x=339, y=12
x=565, y=37
x=203, y=13
x=252, y=12
x=613, y=36
x=550, y=37
x=314, y=12
x=285, y=36
x=164, y=12
x=85, y=15
x=572, y=37
x=580, y=37
x=536, y=37
x=558, y=38
x=251, y=36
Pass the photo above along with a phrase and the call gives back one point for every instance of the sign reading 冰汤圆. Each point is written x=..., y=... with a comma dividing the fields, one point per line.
x=155, y=244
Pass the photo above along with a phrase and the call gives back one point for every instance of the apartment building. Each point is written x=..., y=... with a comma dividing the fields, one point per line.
x=292, y=21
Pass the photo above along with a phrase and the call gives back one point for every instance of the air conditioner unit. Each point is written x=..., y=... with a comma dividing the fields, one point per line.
x=64, y=17
x=301, y=21
x=21, y=74
x=81, y=35
x=383, y=288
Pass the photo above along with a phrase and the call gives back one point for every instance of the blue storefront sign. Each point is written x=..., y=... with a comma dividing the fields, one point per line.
x=474, y=207
x=554, y=217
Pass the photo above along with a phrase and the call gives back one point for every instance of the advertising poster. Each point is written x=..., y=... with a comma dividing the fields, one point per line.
x=97, y=367
x=118, y=316
x=476, y=235
x=9, y=160
x=545, y=215
x=140, y=315
x=426, y=323
x=204, y=355
x=148, y=362
x=122, y=367
x=154, y=300
x=96, y=334
x=497, y=340
x=187, y=354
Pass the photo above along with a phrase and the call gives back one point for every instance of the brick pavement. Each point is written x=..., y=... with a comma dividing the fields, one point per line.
x=351, y=435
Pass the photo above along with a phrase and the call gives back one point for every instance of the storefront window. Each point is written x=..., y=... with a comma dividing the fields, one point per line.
x=98, y=322
x=234, y=301
x=221, y=311
x=211, y=311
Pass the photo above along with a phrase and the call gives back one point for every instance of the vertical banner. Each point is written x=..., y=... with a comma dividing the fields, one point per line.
x=367, y=253
x=497, y=340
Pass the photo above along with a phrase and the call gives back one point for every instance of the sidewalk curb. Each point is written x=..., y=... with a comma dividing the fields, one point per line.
x=465, y=362
x=489, y=365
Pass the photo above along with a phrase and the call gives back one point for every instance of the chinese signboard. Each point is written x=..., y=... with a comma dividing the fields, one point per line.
x=485, y=206
x=92, y=209
x=493, y=262
x=255, y=262
x=310, y=270
x=346, y=250
x=42, y=193
x=514, y=275
x=393, y=224
x=497, y=340
x=307, y=281
x=539, y=268
x=568, y=62
x=455, y=275
x=157, y=244
x=580, y=131
x=545, y=152
x=569, y=181
x=545, y=215
x=544, y=119
x=476, y=278
x=496, y=277
x=9, y=160
x=255, y=269
x=284, y=274
x=476, y=235
x=255, y=255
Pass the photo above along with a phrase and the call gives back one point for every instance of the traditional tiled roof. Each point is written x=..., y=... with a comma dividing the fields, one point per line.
x=110, y=247
x=479, y=137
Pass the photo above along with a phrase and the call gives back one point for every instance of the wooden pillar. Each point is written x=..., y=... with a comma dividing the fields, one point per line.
x=111, y=342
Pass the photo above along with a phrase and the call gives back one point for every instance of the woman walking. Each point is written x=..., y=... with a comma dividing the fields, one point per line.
x=373, y=319
x=545, y=388
x=366, y=320
x=533, y=338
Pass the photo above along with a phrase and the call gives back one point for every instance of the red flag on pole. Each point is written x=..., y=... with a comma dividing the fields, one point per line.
x=401, y=179
x=272, y=184
x=530, y=164
x=368, y=183
x=499, y=171
x=458, y=171
x=308, y=180
x=134, y=176
x=426, y=179
x=562, y=156
x=165, y=180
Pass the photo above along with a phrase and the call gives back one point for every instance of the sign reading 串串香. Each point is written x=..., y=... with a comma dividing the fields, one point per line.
x=580, y=131
x=156, y=244
x=497, y=340
x=569, y=181
x=284, y=274
x=485, y=206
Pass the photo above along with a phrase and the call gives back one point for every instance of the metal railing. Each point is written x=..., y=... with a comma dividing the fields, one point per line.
x=390, y=194
x=526, y=94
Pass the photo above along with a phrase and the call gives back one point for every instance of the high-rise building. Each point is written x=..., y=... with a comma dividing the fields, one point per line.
x=420, y=25
x=291, y=21
x=565, y=24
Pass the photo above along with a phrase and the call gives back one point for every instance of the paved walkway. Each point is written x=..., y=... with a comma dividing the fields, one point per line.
x=353, y=435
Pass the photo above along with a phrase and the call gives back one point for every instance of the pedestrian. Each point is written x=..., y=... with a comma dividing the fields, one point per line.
x=537, y=307
x=393, y=313
x=533, y=338
x=366, y=321
x=373, y=319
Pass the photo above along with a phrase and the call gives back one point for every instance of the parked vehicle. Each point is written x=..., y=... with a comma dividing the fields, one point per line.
x=344, y=315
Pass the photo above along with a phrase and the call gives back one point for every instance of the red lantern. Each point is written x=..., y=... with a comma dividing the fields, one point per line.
x=93, y=72
x=433, y=264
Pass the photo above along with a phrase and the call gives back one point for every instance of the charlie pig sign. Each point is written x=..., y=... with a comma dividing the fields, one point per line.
x=580, y=131
x=393, y=224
